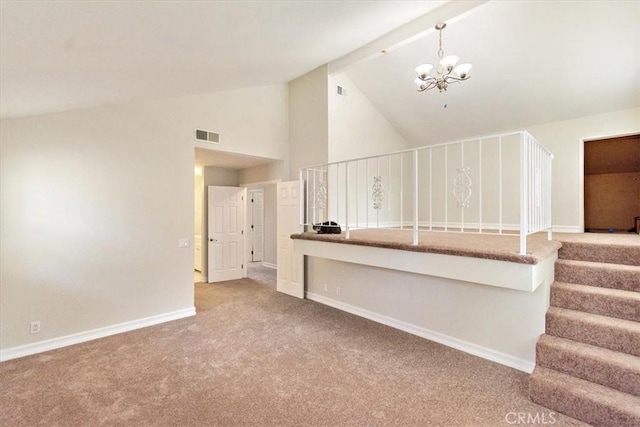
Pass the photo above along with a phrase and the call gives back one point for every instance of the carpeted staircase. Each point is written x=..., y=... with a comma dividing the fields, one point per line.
x=588, y=360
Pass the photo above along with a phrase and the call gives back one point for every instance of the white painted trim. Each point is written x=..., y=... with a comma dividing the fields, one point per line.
x=203, y=279
x=269, y=265
x=251, y=185
x=439, y=226
x=567, y=229
x=449, y=341
x=512, y=275
x=80, y=337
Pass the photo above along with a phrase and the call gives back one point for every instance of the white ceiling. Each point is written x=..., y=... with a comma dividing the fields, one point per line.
x=61, y=55
x=533, y=62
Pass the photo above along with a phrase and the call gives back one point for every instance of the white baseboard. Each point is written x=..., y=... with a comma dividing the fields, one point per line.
x=467, y=347
x=80, y=337
x=566, y=229
x=269, y=265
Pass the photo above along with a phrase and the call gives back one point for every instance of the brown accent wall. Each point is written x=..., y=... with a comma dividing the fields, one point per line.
x=611, y=200
x=612, y=183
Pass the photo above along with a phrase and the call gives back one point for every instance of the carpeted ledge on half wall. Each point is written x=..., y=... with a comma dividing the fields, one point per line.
x=473, y=245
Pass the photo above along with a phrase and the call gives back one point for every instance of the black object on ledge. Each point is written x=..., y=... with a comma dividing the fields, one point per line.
x=327, y=227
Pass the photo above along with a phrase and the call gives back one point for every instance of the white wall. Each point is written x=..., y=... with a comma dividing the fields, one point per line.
x=93, y=203
x=224, y=177
x=267, y=172
x=252, y=121
x=565, y=140
x=198, y=194
x=308, y=121
x=356, y=127
x=496, y=323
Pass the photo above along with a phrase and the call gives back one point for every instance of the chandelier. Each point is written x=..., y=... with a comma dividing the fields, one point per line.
x=447, y=71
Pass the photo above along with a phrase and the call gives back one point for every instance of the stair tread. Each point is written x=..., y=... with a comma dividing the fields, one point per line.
x=596, y=318
x=597, y=290
x=603, y=331
x=614, y=369
x=614, y=249
x=600, y=274
x=610, y=357
x=594, y=393
x=612, y=302
x=604, y=265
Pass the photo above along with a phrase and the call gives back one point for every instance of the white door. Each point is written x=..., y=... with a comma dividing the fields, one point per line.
x=256, y=198
x=290, y=272
x=226, y=233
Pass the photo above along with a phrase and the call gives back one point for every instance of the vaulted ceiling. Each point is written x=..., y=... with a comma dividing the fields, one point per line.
x=61, y=55
x=533, y=62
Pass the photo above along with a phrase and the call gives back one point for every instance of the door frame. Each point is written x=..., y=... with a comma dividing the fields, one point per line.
x=250, y=215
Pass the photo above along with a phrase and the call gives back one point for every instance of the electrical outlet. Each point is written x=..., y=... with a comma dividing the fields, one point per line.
x=35, y=327
x=338, y=290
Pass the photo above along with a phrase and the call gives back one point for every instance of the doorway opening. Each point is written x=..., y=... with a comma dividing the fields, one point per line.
x=612, y=185
x=255, y=224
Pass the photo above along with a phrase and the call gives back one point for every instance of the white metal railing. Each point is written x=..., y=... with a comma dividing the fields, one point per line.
x=492, y=184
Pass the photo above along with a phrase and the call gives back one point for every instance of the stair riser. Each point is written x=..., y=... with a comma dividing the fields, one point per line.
x=605, y=305
x=593, y=276
x=625, y=379
x=602, y=336
x=628, y=255
x=587, y=410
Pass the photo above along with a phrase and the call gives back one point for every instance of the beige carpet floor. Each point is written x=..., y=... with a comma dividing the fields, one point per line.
x=255, y=357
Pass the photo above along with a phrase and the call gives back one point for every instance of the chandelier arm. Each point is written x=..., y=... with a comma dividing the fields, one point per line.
x=427, y=79
x=430, y=85
x=452, y=79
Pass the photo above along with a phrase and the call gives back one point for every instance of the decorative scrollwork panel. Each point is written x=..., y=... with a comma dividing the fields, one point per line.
x=320, y=195
x=462, y=187
x=377, y=192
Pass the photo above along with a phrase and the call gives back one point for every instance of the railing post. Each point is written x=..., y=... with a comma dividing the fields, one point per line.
x=446, y=188
x=302, y=196
x=524, y=197
x=500, y=226
x=549, y=187
x=346, y=200
x=415, y=197
x=401, y=191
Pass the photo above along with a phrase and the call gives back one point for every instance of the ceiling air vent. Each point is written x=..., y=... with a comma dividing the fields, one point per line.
x=341, y=91
x=207, y=136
